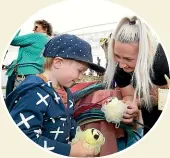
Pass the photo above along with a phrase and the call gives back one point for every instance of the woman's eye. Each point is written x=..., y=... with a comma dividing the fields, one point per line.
x=117, y=56
x=129, y=60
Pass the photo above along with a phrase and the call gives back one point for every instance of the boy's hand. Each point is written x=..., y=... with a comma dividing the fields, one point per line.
x=77, y=150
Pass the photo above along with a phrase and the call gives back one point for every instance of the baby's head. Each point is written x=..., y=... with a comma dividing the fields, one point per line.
x=67, y=58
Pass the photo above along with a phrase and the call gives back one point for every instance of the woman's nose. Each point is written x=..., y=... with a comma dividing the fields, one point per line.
x=122, y=65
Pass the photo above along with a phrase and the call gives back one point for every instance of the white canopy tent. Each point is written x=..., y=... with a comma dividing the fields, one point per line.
x=88, y=19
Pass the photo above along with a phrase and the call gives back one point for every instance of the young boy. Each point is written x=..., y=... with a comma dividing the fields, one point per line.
x=42, y=106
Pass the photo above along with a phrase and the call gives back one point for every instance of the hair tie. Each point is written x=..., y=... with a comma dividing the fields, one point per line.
x=132, y=22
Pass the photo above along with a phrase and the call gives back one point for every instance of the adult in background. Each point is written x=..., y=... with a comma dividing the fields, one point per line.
x=29, y=60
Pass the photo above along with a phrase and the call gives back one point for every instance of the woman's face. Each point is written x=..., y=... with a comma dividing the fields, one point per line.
x=126, y=55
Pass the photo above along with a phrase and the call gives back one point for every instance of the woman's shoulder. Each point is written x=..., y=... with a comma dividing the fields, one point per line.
x=160, y=52
x=160, y=58
x=41, y=35
x=160, y=66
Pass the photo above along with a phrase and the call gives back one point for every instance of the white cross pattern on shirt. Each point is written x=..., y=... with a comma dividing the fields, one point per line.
x=42, y=99
x=43, y=85
x=52, y=119
x=48, y=148
x=63, y=119
x=71, y=104
x=56, y=98
x=57, y=132
x=38, y=132
x=25, y=120
x=67, y=138
x=49, y=83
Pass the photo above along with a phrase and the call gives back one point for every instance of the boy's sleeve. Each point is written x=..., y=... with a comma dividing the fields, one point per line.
x=73, y=129
x=73, y=121
x=24, y=40
x=28, y=115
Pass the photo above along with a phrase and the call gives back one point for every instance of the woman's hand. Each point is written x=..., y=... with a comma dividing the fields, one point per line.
x=131, y=111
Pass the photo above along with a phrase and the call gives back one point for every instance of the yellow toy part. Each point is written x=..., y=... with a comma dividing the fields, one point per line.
x=92, y=139
x=93, y=136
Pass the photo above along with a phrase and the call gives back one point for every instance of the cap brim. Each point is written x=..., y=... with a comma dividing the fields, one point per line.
x=96, y=67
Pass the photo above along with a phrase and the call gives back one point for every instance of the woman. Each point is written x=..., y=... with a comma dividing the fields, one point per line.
x=137, y=62
x=29, y=60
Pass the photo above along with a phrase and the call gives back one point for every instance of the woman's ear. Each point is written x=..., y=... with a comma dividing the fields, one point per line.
x=45, y=30
x=57, y=62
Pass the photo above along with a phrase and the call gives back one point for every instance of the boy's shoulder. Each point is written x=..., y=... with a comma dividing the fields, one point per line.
x=31, y=81
x=32, y=85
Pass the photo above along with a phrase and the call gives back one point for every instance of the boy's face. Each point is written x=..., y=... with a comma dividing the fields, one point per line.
x=68, y=71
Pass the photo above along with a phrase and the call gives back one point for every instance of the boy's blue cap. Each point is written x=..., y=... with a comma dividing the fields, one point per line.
x=71, y=47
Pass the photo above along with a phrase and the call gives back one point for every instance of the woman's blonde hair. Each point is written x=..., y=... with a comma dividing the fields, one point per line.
x=133, y=30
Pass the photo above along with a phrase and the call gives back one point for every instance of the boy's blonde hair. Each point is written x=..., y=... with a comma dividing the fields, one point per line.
x=133, y=30
x=48, y=63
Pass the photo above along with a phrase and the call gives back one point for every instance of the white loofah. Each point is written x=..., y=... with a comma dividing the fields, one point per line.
x=114, y=110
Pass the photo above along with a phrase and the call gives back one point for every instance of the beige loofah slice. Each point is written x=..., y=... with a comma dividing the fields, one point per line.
x=114, y=110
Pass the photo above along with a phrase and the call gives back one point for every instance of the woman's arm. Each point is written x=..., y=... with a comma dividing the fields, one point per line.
x=127, y=92
x=24, y=40
x=132, y=105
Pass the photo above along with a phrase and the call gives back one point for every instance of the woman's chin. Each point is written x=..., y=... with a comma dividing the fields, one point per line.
x=128, y=70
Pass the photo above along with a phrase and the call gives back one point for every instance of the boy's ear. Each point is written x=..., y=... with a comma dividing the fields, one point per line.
x=57, y=62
